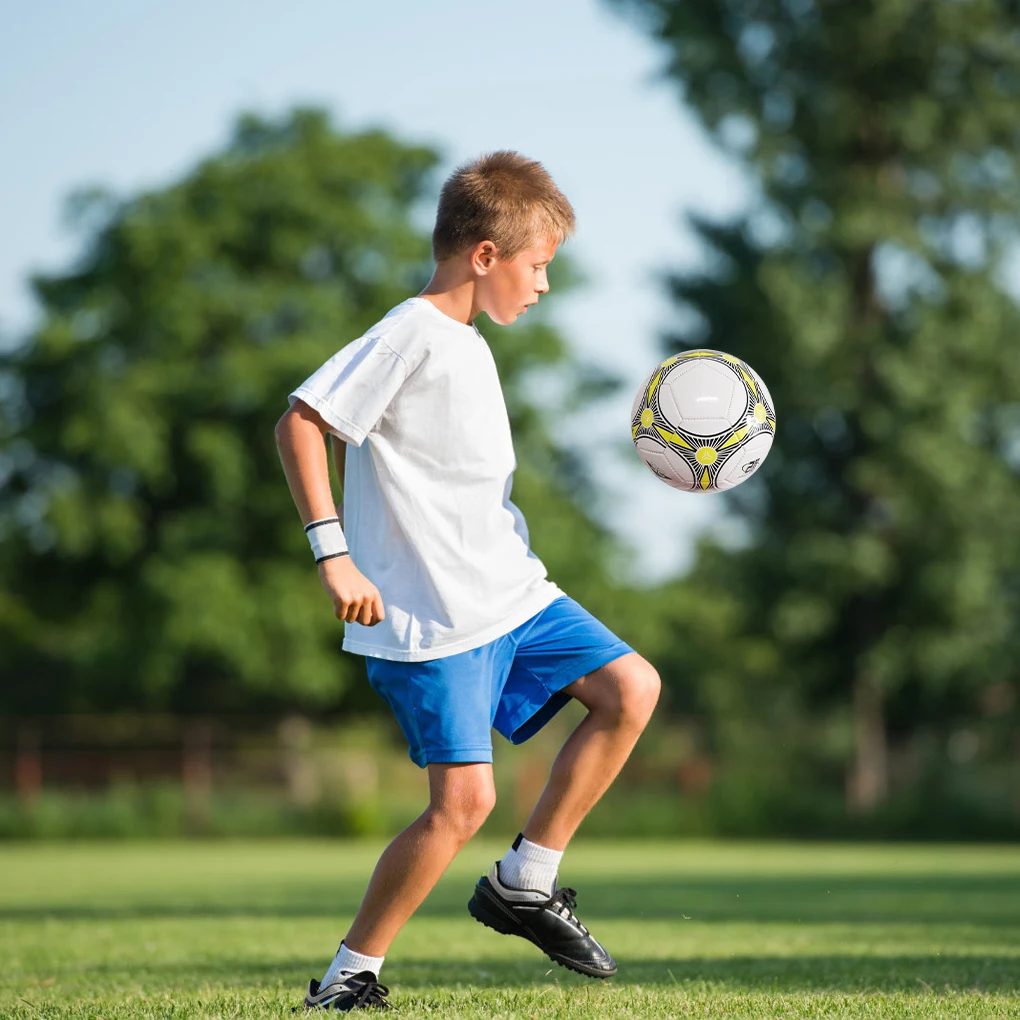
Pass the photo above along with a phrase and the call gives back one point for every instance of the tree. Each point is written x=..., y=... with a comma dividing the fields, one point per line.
x=149, y=550
x=877, y=594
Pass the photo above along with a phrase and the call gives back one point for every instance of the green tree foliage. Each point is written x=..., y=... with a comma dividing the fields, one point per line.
x=875, y=603
x=150, y=554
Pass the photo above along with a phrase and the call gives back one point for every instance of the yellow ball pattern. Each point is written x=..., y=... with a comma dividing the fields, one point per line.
x=653, y=428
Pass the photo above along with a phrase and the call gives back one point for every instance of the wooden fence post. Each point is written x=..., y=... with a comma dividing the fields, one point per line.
x=27, y=764
x=196, y=773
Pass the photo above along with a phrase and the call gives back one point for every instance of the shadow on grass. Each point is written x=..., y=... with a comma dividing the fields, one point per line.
x=975, y=899
x=838, y=973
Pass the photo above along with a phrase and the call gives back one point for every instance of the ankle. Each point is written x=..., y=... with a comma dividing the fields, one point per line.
x=528, y=865
x=347, y=962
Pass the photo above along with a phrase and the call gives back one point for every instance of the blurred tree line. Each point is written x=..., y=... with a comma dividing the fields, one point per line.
x=867, y=634
x=150, y=554
x=858, y=647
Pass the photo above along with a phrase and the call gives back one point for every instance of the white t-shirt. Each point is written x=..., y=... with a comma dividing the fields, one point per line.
x=427, y=510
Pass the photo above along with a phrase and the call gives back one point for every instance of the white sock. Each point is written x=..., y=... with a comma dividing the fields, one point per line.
x=527, y=865
x=347, y=962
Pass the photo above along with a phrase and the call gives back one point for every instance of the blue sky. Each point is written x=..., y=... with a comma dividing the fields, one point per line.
x=128, y=95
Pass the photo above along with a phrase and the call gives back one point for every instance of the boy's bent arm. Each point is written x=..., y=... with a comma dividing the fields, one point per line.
x=301, y=440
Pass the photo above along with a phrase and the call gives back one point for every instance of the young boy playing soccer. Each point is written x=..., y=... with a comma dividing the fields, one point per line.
x=461, y=629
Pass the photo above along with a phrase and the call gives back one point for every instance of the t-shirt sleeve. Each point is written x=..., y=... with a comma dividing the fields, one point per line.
x=353, y=389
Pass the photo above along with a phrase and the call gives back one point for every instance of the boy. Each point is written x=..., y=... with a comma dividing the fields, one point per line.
x=461, y=630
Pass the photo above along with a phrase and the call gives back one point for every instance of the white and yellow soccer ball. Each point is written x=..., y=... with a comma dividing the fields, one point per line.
x=703, y=421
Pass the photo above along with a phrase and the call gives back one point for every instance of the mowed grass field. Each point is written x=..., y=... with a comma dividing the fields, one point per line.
x=235, y=929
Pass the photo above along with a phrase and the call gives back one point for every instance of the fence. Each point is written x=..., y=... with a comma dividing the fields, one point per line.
x=167, y=775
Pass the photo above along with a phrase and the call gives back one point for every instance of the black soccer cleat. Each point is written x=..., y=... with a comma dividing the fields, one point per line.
x=359, y=991
x=548, y=921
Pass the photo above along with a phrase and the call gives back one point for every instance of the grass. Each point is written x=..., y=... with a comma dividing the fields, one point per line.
x=701, y=930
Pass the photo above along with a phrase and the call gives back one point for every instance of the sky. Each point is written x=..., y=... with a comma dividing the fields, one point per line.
x=128, y=96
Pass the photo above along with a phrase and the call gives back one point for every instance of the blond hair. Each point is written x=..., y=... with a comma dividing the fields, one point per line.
x=500, y=197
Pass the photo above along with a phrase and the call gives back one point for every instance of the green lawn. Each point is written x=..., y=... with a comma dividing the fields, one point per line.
x=719, y=930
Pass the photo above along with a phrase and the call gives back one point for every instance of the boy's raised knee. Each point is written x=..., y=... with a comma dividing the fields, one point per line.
x=622, y=694
x=639, y=692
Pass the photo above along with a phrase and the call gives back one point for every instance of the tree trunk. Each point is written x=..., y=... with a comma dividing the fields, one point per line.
x=868, y=782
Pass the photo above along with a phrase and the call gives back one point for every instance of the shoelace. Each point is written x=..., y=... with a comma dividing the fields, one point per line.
x=563, y=902
x=371, y=993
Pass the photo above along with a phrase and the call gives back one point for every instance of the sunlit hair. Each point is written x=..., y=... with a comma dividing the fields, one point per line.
x=504, y=198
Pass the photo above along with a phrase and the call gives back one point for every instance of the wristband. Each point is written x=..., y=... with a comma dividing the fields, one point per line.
x=326, y=538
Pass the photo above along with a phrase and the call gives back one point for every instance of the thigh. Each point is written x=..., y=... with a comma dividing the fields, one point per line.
x=625, y=685
x=564, y=643
x=560, y=645
x=444, y=706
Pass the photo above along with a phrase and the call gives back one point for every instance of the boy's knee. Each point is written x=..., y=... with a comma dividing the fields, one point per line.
x=465, y=809
x=639, y=693
x=480, y=804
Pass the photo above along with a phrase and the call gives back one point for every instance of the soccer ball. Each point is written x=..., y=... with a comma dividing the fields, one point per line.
x=703, y=421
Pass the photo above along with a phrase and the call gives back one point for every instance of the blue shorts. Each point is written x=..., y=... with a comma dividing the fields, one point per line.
x=448, y=707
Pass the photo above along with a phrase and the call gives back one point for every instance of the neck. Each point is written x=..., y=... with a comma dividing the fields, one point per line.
x=452, y=291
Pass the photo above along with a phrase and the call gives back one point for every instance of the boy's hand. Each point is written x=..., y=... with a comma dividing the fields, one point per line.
x=355, y=598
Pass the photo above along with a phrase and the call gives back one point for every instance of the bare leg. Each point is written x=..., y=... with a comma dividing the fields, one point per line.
x=461, y=797
x=620, y=698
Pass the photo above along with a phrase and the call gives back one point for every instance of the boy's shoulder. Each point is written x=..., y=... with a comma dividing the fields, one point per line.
x=410, y=328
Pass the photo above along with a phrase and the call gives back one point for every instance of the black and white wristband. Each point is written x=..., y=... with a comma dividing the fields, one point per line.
x=326, y=538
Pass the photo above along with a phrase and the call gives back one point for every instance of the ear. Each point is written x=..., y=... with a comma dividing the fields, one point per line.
x=483, y=257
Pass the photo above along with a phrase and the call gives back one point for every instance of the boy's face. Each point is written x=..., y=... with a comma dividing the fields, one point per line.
x=508, y=289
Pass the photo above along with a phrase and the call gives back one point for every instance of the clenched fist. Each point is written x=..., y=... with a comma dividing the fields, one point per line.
x=355, y=598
